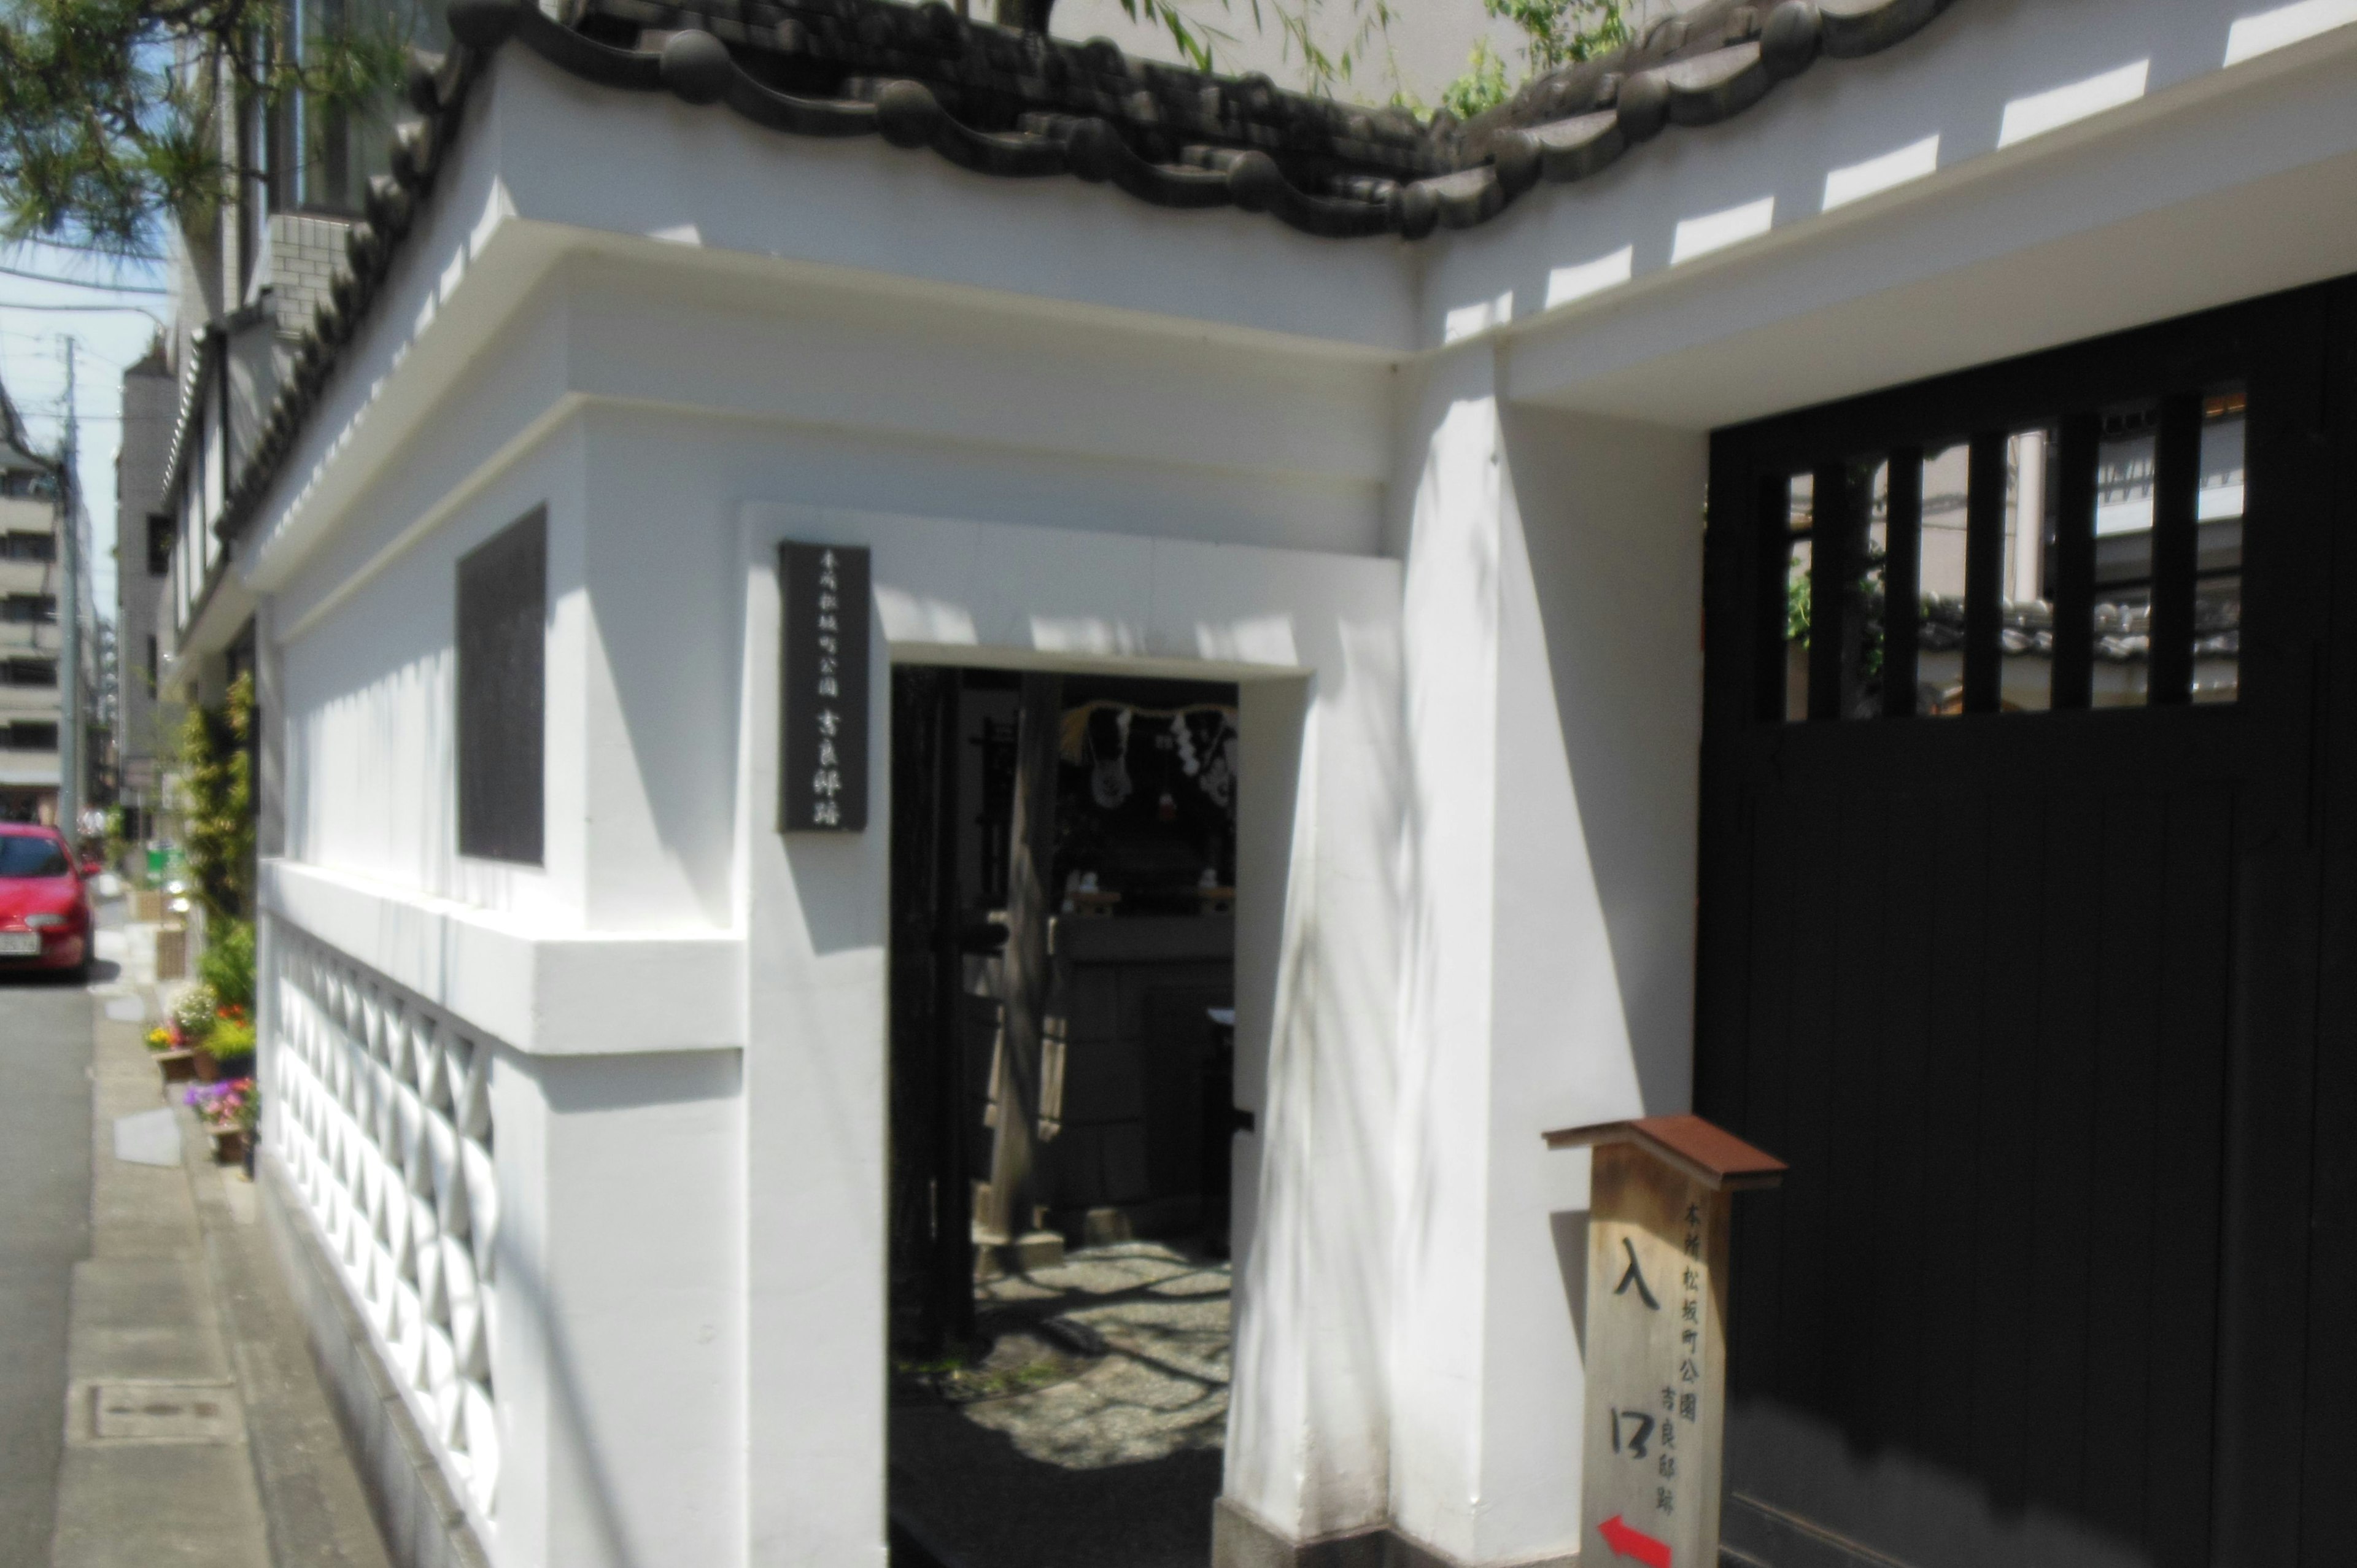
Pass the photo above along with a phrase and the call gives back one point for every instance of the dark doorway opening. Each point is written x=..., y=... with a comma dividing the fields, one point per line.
x=1061, y=983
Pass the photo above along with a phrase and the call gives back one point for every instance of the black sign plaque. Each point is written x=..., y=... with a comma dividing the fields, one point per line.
x=822, y=786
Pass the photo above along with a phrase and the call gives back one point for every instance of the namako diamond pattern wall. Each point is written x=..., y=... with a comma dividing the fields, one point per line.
x=381, y=1114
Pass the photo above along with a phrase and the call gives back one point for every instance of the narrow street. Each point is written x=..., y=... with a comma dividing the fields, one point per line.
x=45, y=1170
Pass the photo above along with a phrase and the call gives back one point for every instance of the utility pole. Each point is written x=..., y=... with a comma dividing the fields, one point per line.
x=69, y=737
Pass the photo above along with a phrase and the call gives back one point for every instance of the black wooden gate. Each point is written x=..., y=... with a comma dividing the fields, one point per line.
x=2027, y=937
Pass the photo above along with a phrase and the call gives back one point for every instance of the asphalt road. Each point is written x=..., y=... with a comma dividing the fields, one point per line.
x=45, y=1133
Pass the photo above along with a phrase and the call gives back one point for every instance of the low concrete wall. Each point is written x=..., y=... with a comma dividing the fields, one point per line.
x=423, y=1523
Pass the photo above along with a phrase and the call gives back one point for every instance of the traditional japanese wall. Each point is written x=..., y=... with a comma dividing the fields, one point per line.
x=1452, y=555
x=1551, y=634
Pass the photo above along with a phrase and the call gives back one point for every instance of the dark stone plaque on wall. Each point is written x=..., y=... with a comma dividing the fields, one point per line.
x=824, y=779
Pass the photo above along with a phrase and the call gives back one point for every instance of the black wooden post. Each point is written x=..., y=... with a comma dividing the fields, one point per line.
x=1772, y=531
x=1985, y=572
x=1902, y=573
x=1834, y=564
x=2080, y=450
x=2176, y=494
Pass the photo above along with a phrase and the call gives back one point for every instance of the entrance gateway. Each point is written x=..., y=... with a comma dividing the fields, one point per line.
x=2026, y=892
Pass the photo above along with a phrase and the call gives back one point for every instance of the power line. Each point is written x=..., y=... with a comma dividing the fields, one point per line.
x=90, y=250
x=82, y=283
x=85, y=309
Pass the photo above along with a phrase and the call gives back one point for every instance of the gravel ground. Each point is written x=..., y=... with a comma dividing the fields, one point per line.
x=1116, y=1468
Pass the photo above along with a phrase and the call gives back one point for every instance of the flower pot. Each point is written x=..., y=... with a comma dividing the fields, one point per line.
x=229, y=1145
x=208, y=1066
x=178, y=1066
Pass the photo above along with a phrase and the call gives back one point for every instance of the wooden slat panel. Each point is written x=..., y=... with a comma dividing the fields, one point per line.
x=1808, y=1353
x=1755, y=1320
x=2196, y=937
x=2330, y=1436
x=2073, y=594
x=2176, y=494
x=2006, y=1293
x=2064, y=1108
x=1857, y=890
x=1951, y=1129
x=1902, y=1243
x=2120, y=1222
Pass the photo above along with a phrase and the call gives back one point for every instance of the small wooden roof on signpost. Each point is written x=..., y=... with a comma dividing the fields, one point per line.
x=1711, y=1155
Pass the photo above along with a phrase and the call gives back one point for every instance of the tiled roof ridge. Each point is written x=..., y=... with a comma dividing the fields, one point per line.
x=1256, y=144
x=1695, y=69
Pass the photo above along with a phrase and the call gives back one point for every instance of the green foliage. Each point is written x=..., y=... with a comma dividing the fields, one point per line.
x=228, y=963
x=1555, y=33
x=1324, y=69
x=113, y=112
x=1483, y=85
x=216, y=754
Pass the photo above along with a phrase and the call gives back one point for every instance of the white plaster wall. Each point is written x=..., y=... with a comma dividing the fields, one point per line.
x=370, y=711
x=620, y=1294
x=1553, y=711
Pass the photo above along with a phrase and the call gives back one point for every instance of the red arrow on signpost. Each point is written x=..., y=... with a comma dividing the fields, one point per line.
x=1627, y=1542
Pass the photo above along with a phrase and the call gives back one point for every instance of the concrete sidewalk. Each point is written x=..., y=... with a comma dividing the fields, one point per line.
x=196, y=1430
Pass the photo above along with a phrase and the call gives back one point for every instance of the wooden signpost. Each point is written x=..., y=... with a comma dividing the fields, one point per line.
x=1656, y=1352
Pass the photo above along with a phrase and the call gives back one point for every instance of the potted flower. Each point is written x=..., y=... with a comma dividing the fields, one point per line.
x=175, y=1061
x=230, y=1109
x=191, y=1022
x=230, y=1042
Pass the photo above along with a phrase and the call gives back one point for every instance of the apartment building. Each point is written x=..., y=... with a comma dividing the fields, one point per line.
x=34, y=510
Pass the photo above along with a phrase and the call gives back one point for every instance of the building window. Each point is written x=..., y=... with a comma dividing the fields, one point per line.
x=30, y=673
x=29, y=608
x=29, y=546
x=503, y=656
x=29, y=483
x=24, y=735
x=160, y=543
x=155, y=670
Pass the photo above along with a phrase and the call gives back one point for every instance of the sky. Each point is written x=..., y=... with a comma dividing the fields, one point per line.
x=111, y=330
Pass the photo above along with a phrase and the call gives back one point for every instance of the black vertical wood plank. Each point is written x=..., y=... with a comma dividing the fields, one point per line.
x=1902, y=1243
x=2175, y=495
x=1769, y=537
x=1754, y=1364
x=2196, y=937
x=2330, y=1445
x=2064, y=1112
x=2077, y=452
x=1857, y=889
x=1810, y=1354
x=1833, y=578
x=1985, y=572
x=2297, y=442
x=2005, y=1290
x=1951, y=1152
x=1902, y=576
x=2120, y=1220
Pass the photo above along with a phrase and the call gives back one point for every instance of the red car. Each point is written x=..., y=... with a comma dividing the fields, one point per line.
x=44, y=909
